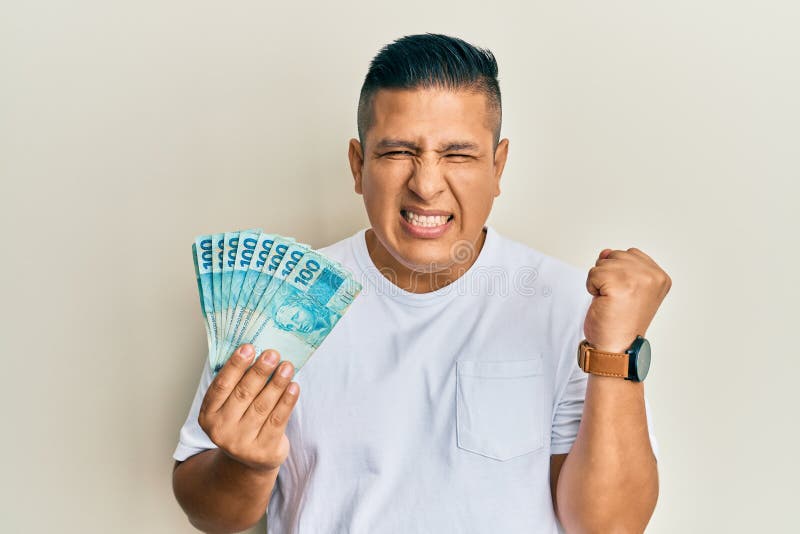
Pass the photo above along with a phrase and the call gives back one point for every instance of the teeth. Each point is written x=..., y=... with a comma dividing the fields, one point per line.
x=427, y=221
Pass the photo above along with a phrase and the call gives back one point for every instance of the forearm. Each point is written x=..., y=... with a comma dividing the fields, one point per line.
x=221, y=495
x=609, y=481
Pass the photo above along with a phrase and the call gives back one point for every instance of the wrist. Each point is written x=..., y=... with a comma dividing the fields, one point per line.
x=619, y=345
x=243, y=471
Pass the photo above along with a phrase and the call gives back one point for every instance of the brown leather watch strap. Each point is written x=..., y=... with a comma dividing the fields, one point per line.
x=602, y=363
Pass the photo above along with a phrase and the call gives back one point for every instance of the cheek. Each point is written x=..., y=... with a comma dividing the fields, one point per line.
x=377, y=201
x=473, y=190
x=383, y=184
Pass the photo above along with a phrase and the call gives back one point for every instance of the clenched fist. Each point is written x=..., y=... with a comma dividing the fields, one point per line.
x=628, y=287
x=246, y=416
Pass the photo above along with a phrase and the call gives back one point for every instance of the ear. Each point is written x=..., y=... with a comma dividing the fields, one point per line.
x=356, y=157
x=500, y=156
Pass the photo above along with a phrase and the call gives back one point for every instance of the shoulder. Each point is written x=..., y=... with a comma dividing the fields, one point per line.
x=345, y=250
x=534, y=274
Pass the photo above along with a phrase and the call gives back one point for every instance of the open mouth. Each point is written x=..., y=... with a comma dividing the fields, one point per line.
x=425, y=221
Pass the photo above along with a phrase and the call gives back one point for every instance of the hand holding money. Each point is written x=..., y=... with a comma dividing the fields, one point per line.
x=246, y=416
x=262, y=292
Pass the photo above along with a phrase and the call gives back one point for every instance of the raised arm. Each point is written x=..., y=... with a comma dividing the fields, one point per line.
x=608, y=483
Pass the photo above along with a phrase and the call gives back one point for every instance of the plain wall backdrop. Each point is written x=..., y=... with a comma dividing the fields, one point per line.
x=128, y=128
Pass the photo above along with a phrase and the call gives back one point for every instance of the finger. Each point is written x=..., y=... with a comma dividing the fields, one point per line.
x=275, y=423
x=640, y=254
x=250, y=384
x=630, y=254
x=265, y=401
x=619, y=255
x=608, y=257
x=602, y=280
x=601, y=259
x=594, y=281
x=608, y=254
x=223, y=384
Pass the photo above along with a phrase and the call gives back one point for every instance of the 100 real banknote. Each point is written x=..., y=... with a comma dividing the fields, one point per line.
x=270, y=291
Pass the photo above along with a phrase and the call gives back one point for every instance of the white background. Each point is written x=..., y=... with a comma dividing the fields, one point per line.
x=128, y=128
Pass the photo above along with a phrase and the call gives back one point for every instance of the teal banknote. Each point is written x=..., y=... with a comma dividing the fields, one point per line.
x=217, y=250
x=304, y=308
x=251, y=288
x=230, y=248
x=203, y=260
x=245, y=248
x=275, y=258
x=262, y=279
x=268, y=290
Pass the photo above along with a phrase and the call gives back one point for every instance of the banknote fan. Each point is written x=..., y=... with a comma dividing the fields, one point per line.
x=270, y=291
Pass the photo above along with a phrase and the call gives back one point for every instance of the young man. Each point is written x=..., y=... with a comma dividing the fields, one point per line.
x=449, y=398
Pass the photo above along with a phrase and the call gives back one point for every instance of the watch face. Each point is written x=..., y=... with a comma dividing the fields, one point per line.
x=643, y=360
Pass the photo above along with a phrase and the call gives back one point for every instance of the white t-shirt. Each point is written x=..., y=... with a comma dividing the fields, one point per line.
x=434, y=412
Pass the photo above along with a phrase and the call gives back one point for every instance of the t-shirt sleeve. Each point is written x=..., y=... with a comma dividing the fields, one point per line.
x=568, y=408
x=192, y=438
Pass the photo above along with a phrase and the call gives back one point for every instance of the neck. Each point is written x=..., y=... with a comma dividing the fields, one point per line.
x=418, y=281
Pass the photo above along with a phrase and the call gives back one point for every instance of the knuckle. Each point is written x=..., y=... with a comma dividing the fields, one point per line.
x=631, y=284
x=665, y=282
x=286, y=403
x=234, y=362
x=218, y=387
x=259, y=371
x=203, y=408
x=278, y=382
x=276, y=419
x=202, y=420
x=289, y=399
x=261, y=407
x=240, y=393
x=214, y=432
x=658, y=278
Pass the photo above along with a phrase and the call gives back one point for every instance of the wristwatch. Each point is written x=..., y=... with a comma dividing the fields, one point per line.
x=632, y=364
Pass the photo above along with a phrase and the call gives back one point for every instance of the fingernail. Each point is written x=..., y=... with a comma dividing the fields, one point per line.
x=292, y=389
x=246, y=352
x=286, y=370
x=271, y=357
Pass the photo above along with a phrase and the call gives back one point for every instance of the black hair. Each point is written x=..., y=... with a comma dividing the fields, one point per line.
x=430, y=60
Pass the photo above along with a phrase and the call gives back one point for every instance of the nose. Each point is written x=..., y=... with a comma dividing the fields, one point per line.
x=428, y=180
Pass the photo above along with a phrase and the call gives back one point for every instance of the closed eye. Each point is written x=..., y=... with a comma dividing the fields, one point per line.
x=398, y=153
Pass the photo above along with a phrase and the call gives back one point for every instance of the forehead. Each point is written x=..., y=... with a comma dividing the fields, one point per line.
x=431, y=115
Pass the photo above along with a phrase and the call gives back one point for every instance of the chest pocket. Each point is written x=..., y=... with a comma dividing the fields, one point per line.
x=500, y=407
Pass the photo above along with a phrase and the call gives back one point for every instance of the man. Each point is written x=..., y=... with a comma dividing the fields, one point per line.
x=449, y=397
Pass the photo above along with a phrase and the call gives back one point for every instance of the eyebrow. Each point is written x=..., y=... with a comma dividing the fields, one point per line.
x=401, y=143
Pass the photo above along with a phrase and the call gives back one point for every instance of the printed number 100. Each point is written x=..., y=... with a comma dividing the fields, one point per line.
x=307, y=272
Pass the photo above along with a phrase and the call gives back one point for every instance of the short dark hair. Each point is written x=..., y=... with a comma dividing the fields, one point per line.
x=430, y=60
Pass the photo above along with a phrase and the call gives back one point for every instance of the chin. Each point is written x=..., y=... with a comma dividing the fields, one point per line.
x=421, y=258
